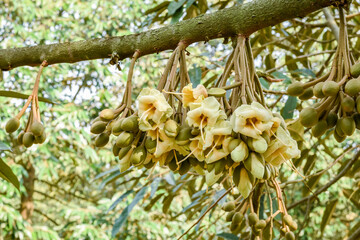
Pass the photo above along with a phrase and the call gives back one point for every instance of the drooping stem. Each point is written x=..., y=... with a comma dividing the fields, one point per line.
x=129, y=79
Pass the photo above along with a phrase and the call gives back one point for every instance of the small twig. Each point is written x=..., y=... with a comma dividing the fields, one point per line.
x=330, y=183
x=46, y=216
x=202, y=216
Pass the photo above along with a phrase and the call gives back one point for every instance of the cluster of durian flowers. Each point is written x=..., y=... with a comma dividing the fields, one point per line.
x=337, y=92
x=224, y=132
x=248, y=145
x=34, y=132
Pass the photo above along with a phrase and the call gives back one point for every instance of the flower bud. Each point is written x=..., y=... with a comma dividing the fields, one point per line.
x=352, y=87
x=124, y=139
x=295, y=89
x=308, y=117
x=171, y=128
x=12, y=125
x=330, y=88
x=240, y=153
x=257, y=144
x=102, y=139
x=318, y=90
x=130, y=124
x=28, y=139
x=138, y=155
x=107, y=114
x=98, y=127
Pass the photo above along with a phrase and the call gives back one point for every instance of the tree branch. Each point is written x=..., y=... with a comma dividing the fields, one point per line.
x=242, y=19
x=331, y=23
x=329, y=184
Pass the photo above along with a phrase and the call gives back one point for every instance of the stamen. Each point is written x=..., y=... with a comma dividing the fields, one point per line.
x=142, y=115
x=157, y=140
x=201, y=130
x=187, y=156
x=177, y=162
x=278, y=138
x=174, y=93
x=260, y=132
x=212, y=149
x=292, y=166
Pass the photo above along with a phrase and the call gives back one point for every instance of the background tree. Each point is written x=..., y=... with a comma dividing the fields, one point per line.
x=70, y=189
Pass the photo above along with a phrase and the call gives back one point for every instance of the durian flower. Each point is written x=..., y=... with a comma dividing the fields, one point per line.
x=217, y=139
x=196, y=148
x=193, y=95
x=251, y=120
x=205, y=113
x=281, y=148
x=153, y=109
x=164, y=143
x=217, y=133
x=218, y=151
x=276, y=124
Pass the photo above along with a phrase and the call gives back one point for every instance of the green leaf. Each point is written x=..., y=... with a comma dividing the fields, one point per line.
x=106, y=172
x=125, y=213
x=264, y=83
x=167, y=202
x=174, y=6
x=4, y=147
x=195, y=75
x=280, y=75
x=228, y=236
x=305, y=72
x=154, y=186
x=170, y=178
x=176, y=17
x=117, y=201
x=329, y=210
x=7, y=174
x=157, y=8
x=189, y=3
x=12, y=94
x=353, y=196
x=288, y=110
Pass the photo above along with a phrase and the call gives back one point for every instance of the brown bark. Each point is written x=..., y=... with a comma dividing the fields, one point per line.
x=242, y=19
x=27, y=203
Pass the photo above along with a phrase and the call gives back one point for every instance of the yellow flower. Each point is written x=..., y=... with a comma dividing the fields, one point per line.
x=217, y=139
x=217, y=133
x=205, y=113
x=218, y=151
x=164, y=143
x=153, y=109
x=251, y=120
x=196, y=148
x=193, y=95
x=281, y=148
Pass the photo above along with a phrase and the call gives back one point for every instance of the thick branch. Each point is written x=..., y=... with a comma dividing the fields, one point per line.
x=243, y=19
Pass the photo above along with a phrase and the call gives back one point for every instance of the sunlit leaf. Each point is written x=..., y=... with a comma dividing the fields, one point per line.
x=7, y=174
x=125, y=213
x=329, y=210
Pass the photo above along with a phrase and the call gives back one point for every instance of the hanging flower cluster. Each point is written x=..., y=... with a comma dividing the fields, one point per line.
x=252, y=138
x=224, y=132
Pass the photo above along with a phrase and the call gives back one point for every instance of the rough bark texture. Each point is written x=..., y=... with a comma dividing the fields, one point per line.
x=243, y=19
x=27, y=203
